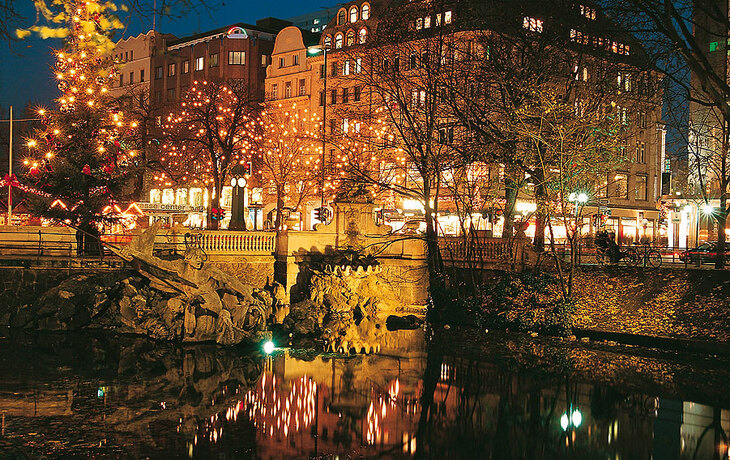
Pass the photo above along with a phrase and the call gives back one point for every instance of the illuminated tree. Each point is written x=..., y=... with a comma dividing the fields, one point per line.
x=80, y=162
x=289, y=156
x=214, y=129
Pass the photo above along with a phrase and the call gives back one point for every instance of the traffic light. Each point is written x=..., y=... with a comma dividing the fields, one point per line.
x=322, y=214
x=247, y=168
x=318, y=214
x=217, y=213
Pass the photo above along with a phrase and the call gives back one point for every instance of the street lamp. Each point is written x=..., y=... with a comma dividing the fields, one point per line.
x=314, y=51
x=238, y=199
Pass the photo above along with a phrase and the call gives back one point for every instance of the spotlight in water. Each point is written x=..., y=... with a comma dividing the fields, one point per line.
x=268, y=347
x=577, y=418
x=564, y=422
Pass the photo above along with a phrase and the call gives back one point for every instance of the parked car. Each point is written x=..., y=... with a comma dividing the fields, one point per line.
x=706, y=252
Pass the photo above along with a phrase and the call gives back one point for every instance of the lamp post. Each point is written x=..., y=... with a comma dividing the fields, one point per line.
x=238, y=198
x=10, y=160
x=315, y=50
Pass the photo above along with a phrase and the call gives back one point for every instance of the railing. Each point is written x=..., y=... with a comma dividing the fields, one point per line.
x=483, y=251
x=237, y=242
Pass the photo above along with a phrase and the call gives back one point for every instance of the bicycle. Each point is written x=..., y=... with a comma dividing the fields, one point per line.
x=650, y=256
x=629, y=256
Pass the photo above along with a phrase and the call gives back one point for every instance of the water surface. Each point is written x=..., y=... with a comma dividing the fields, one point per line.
x=461, y=394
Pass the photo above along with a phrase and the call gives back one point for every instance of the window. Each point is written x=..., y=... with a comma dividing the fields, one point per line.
x=170, y=94
x=287, y=89
x=295, y=59
x=362, y=36
x=353, y=14
x=588, y=12
x=158, y=72
x=365, y=12
x=642, y=188
x=356, y=93
x=199, y=63
x=186, y=67
x=274, y=91
x=131, y=78
x=158, y=98
x=322, y=71
x=641, y=152
x=338, y=41
x=424, y=59
x=427, y=22
x=621, y=182
x=121, y=79
x=345, y=95
x=623, y=80
x=327, y=42
x=345, y=125
x=236, y=57
x=282, y=62
x=334, y=69
x=350, y=38
x=413, y=61
x=532, y=24
x=447, y=17
x=264, y=59
x=333, y=97
x=341, y=17
x=126, y=56
x=171, y=70
x=438, y=19
x=322, y=98
x=446, y=135
x=418, y=98
x=580, y=73
x=333, y=126
x=358, y=65
x=141, y=75
x=419, y=23
x=386, y=65
x=346, y=68
x=302, y=87
x=642, y=120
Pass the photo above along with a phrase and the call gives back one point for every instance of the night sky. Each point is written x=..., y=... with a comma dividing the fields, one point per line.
x=26, y=76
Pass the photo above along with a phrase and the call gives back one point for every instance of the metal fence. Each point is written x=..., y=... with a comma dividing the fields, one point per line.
x=587, y=254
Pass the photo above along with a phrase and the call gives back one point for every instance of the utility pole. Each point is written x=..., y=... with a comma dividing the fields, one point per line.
x=10, y=171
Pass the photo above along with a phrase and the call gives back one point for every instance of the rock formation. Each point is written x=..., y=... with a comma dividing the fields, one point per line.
x=347, y=308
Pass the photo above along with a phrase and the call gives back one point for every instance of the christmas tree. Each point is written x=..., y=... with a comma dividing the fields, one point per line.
x=79, y=163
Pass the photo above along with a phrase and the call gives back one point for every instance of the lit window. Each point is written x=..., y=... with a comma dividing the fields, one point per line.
x=236, y=57
x=199, y=63
x=186, y=67
x=302, y=87
x=447, y=17
x=346, y=68
x=155, y=196
x=287, y=89
x=621, y=181
x=363, y=36
x=642, y=187
x=532, y=24
x=213, y=60
x=419, y=23
x=365, y=12
x=338, y=41
x=345, y=125
x=353, y=14
x=171, y=70
x=168, y=196
x=350, y=38
x=264, y=60
x=427, y=22
x=327, y=42
x=274, y=91
x=358, y=65
x=438, y=19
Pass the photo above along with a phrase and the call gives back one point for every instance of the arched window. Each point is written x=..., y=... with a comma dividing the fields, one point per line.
x=350, y=38
x=328, y=41
x=338, y=41
x=363, y=36
x=365, y=15
x=341, y=17
x=353, y=14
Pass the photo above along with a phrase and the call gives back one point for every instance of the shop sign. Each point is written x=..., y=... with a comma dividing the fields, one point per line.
x=160, y=207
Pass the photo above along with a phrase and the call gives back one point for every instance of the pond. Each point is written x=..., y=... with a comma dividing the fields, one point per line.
x=451, y=394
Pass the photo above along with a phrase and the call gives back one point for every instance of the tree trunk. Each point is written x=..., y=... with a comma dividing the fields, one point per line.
x=215, y=203
x=510, y=196
x=279, y=222
x=721, y=216
x=541, y=214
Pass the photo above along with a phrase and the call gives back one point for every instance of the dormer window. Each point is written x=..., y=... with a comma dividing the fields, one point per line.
x=365, y=12
x=350, y=38
x=363, y=36
x=353, y=14
x=328, y=42
x=338, y=41
x=341, y=17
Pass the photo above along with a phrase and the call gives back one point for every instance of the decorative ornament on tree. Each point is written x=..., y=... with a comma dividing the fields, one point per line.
x=86, y=170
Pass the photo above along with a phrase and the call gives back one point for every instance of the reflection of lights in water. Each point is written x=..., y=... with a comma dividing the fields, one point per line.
x=575, y=420
x=376, y=414
x=564, y=421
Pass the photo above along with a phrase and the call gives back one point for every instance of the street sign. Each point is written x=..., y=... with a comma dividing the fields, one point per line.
x=604, y=210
